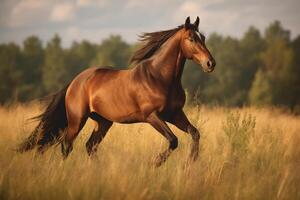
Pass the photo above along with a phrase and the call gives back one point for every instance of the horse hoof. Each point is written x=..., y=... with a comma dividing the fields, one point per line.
x=159, y=160
x=157, y=163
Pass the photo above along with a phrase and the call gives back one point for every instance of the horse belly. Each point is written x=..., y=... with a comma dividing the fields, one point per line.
x=116, y=111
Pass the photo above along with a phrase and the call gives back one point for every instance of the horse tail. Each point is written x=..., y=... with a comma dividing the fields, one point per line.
x=52, y=123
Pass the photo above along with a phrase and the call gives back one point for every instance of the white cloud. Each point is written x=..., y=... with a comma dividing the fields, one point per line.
x=96, y=19
x=84, y=2
x=88, y=3
x=63, y=12
x=143, y=3
x=189, y=8
x=193, y=9
x=211, y=20
x=28, y=11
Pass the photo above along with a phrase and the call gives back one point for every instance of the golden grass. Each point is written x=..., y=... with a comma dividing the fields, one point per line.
x=263, y=164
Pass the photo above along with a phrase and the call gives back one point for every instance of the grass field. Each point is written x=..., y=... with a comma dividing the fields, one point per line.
x=245, y=153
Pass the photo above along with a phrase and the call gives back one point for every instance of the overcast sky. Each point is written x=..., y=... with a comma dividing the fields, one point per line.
x=97, y=19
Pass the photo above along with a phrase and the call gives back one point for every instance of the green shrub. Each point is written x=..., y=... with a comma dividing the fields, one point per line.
x=239, y=129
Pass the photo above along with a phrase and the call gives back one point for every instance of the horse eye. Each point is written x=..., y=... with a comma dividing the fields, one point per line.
x=191, y=39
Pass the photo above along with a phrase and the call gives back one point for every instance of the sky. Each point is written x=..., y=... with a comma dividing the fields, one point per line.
x=95, y=20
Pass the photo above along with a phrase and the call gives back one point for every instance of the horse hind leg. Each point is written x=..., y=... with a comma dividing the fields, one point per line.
x=102, y=126
x=75, y=124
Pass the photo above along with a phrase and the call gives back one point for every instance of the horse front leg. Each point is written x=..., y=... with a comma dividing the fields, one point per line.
x=181, y=121
x=163, y=129
x=196, y=138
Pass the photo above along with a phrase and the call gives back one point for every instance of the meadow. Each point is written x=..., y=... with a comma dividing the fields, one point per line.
x=245, y=153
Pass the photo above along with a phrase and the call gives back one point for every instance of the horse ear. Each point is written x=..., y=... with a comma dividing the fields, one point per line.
x=187, y=23
x=196, y=23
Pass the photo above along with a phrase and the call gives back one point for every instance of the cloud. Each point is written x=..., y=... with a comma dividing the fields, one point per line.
x=188, y=8
x=96, y=19
x=63, y=12
x=144, y=3
x=211, y=19
x=28, y=11
x=89, y=3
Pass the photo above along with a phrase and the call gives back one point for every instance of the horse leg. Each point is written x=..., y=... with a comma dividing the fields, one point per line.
x=181, y=121
x=102, y=126
x=75, y=124
x=163, y=128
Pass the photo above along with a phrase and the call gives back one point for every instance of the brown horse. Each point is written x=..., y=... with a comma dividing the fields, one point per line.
x=150, y=92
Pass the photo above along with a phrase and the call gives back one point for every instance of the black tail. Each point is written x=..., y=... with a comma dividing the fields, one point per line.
x=52, y=123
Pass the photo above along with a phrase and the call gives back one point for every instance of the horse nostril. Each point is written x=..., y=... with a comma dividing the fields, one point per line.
x=209, y=63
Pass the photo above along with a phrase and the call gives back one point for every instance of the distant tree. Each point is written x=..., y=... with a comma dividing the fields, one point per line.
x=55, y=73
x=10, y=73
x=113, y=52
x=32, y=62
x=275, y=31
x=79, y=56
x=296, y=50
x=260, y=92
x=252, y=45
x=277, y=68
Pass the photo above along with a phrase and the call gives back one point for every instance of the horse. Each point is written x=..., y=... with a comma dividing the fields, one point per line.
x=150, y=92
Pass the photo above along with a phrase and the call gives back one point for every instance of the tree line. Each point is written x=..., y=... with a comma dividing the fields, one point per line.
x=256, y=69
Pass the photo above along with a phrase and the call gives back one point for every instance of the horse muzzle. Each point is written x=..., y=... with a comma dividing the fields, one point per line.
x=209, y=65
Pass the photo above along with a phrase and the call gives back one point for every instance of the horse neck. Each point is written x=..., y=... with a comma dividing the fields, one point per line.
x=169, y=62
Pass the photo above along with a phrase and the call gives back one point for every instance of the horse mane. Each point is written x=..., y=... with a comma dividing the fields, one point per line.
x=151, y=42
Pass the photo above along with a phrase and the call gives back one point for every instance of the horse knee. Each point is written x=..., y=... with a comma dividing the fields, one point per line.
x=173, y=143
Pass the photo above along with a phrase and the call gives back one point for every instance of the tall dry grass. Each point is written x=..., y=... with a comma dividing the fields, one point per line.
x=245, y=153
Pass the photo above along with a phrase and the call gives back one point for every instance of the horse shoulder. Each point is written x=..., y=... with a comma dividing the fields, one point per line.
x=148, y=91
